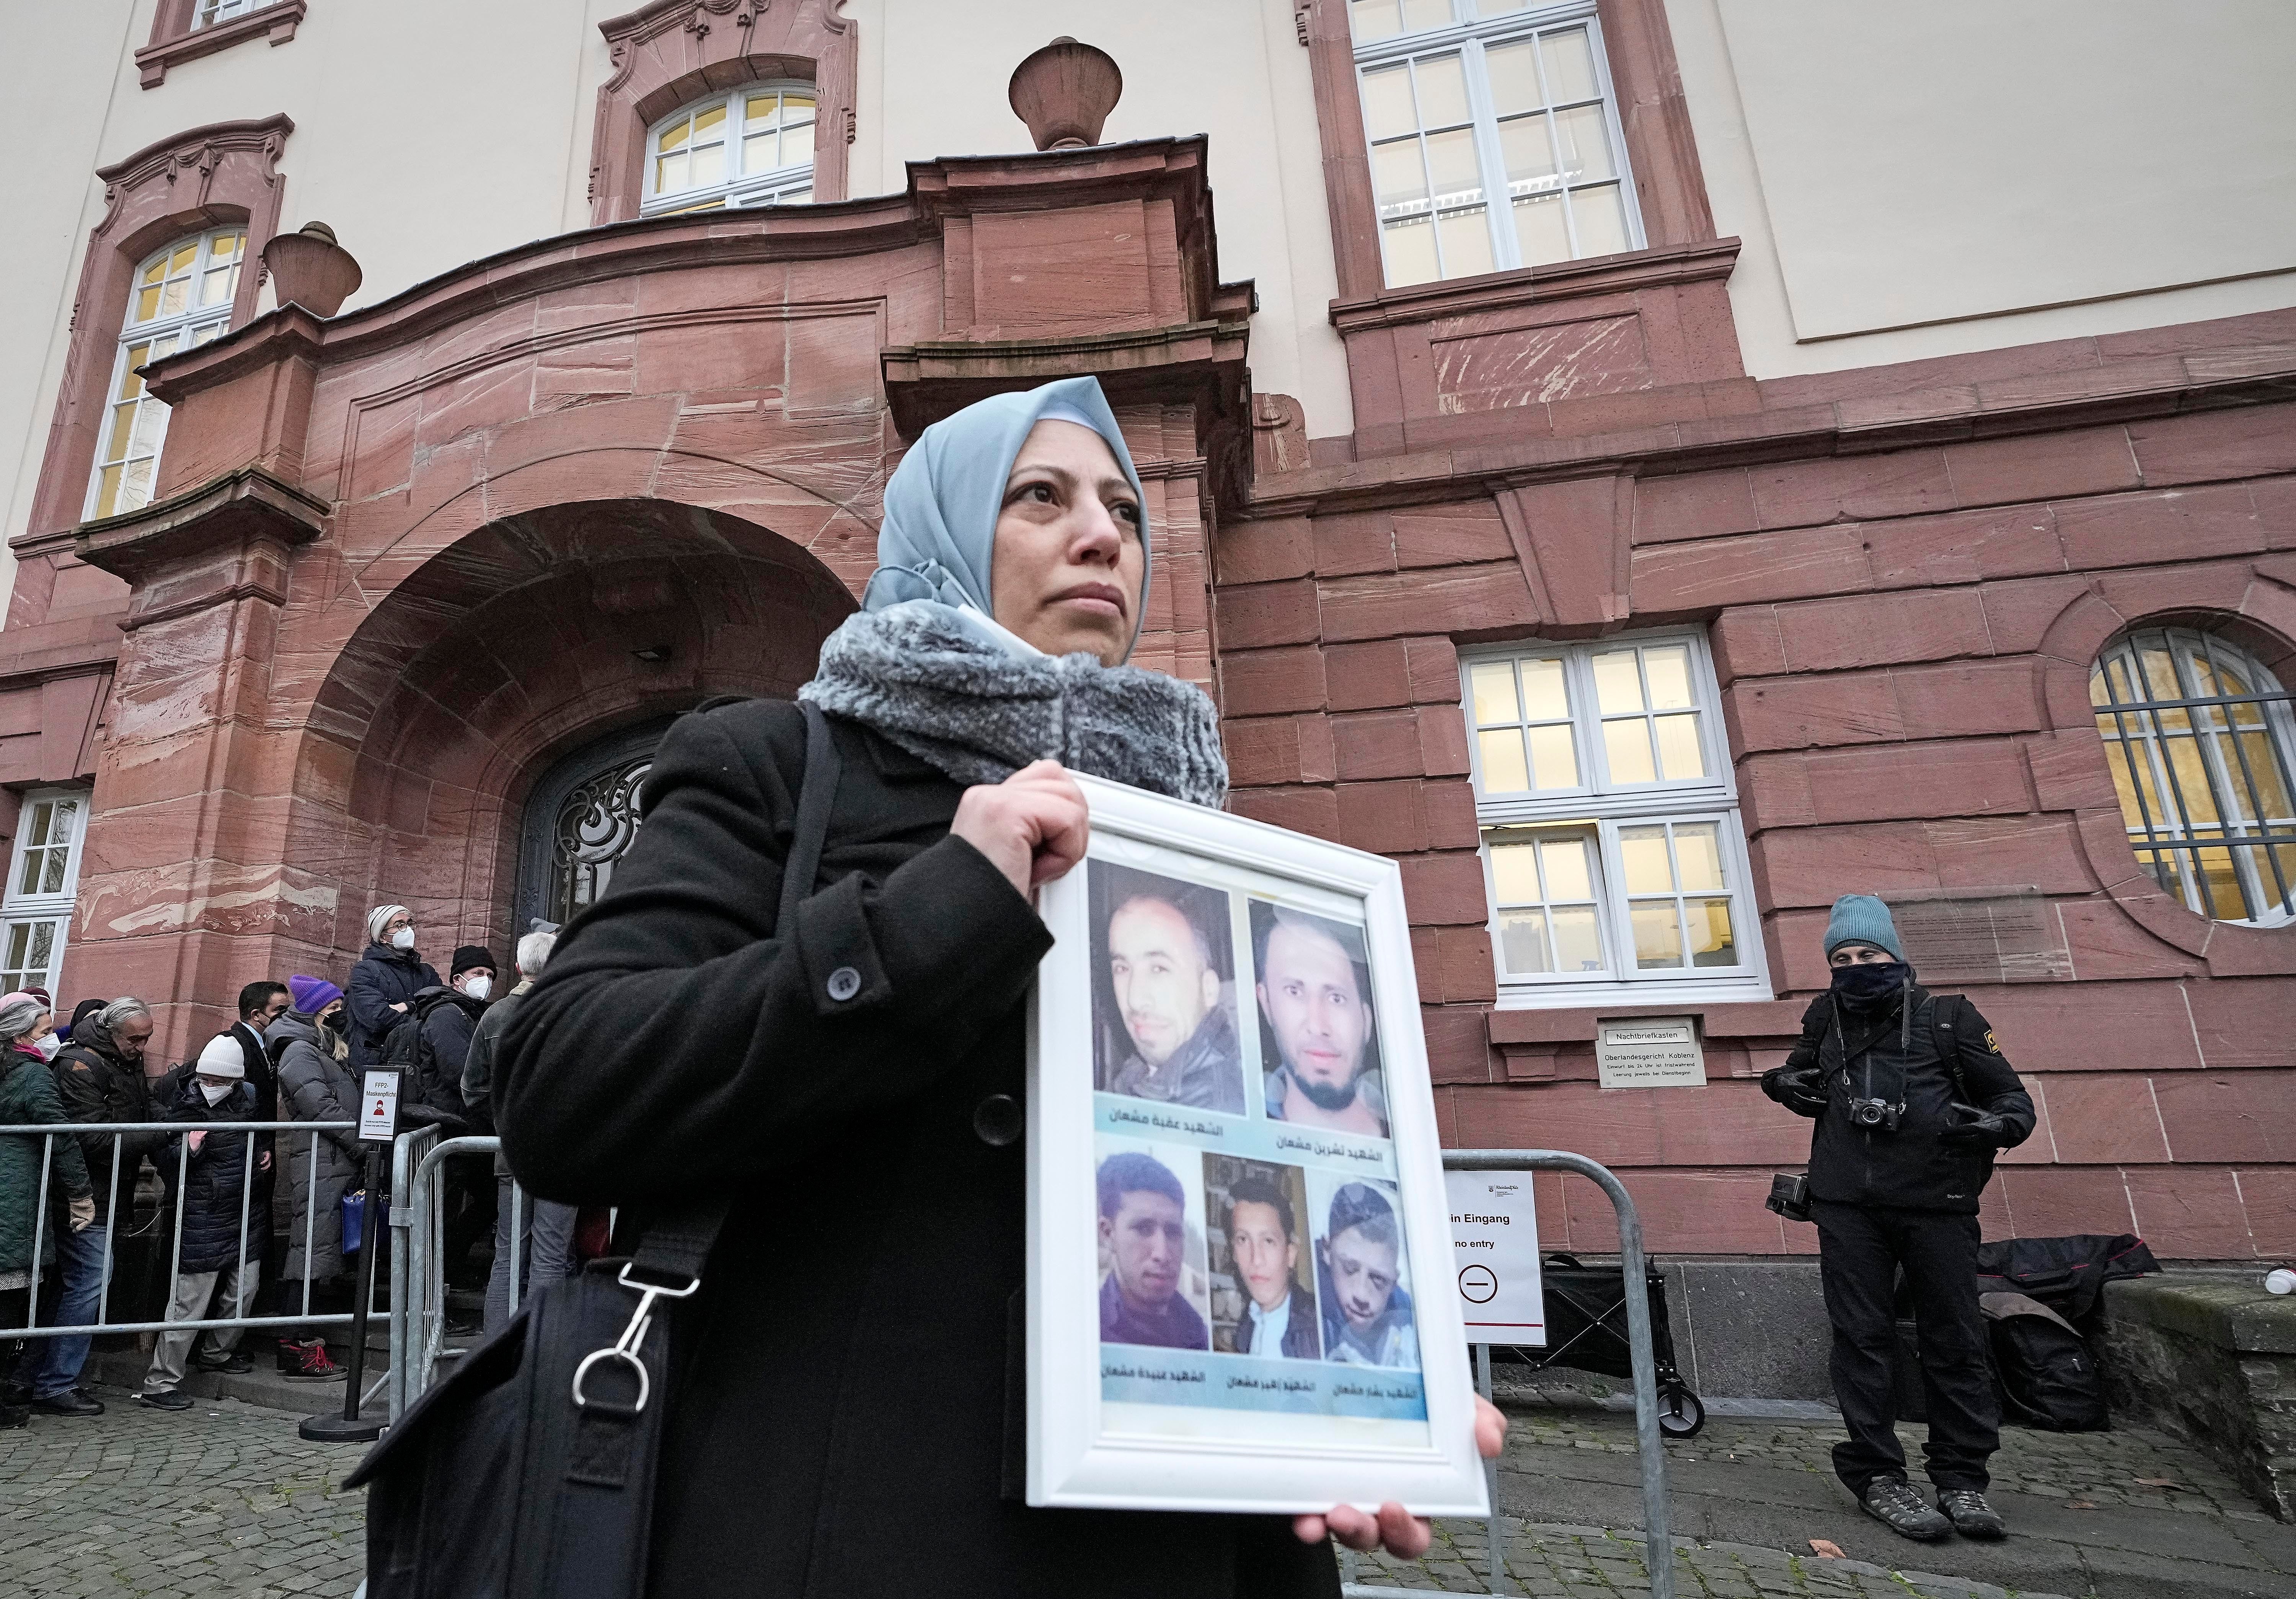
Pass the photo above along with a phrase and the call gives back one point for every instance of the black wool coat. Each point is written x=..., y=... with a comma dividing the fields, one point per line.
x=1944, y=1053
x=841, y=1430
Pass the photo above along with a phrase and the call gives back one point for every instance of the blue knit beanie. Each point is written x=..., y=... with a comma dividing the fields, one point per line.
x=1862, y=919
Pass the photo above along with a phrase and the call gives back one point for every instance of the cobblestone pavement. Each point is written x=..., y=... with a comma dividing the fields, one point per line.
x=2132, y=1513
x=1588, y=1562
x=222, y=1499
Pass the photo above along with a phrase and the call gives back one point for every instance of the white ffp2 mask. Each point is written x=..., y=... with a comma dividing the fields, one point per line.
x=478, y=988
x=404, y=939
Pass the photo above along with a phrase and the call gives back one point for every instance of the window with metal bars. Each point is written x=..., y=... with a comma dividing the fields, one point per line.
x=1493, y=138
x=2202, y=745
x=1613, y=856
x=752, y=147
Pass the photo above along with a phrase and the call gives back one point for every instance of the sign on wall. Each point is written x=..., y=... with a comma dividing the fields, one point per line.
x=1650, y=1051
x=1494, y=1248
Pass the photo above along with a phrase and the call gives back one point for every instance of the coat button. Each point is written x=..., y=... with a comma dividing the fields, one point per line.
x=996, y=1120
x=844, y=983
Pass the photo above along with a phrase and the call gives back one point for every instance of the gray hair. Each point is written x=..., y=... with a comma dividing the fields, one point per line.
x=18, y=1017
x=120, y=1009
x=533, y=950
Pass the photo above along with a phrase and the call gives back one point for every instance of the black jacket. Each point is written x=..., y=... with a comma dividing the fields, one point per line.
x=448, y=1020
x=95, y=1084
x=1944, y=1053
x=215, y=1183
x=677, y=1043
x=382, y=978
x=264, y=1081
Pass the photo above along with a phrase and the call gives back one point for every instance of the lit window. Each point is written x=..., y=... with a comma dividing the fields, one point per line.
x=35, y=910
x=181, y=298
x=752, y=147
x=1615, y=865
x=2203, y=750
x=1494, y=143
x=212, y=11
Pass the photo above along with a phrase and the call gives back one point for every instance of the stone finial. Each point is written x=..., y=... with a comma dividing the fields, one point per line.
x=309, y=269
x=1064, y=92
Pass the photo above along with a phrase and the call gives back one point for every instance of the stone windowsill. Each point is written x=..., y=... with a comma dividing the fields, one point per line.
x=277, y=22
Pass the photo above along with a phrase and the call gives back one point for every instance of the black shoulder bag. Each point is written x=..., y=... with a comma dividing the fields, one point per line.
x=529, y=1472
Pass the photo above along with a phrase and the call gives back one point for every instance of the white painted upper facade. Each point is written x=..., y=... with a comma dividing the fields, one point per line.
x=1908, y=180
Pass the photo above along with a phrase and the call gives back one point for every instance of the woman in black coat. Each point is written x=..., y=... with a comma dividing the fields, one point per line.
x=851, y=1418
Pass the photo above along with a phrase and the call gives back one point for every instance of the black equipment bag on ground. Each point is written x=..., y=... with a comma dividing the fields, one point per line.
x=529, y=1474
x=2043, y=1371
x=2066, y=1274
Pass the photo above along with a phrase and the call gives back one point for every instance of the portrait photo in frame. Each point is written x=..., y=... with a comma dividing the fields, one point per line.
x=1239, y=1296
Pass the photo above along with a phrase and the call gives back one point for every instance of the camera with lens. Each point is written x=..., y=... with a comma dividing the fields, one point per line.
x=1874, y=1113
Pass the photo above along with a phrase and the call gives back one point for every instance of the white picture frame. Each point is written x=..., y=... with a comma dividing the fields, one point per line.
x=1209, y=1425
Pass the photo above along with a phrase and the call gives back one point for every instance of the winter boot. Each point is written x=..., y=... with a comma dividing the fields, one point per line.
x=1971, y=1515
x=1892, y=1502
x=307, y=1361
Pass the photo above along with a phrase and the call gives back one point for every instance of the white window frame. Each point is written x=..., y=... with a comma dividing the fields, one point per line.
x=187, y=329
x=21, y=909
x=1470, y=36
x=207, y=13
x=1599, y=806
x=735, y=190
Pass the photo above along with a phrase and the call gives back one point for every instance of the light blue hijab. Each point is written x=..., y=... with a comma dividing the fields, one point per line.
x=939, y=541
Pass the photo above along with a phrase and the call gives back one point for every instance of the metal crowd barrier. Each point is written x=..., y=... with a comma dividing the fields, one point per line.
x=251, y=1250
x=418, y=1276
x=1658, y=1533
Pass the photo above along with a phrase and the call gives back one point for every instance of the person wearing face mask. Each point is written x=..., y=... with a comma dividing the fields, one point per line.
x=682, y=1046
x=215, y=1264
x=28, y=1095
x=99, y=1078
x=432, y=1043
x=1913, y=1099
x=316, y=1084
x=384, y=982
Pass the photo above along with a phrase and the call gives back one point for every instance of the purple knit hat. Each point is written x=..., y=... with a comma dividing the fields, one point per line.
x=311, y=995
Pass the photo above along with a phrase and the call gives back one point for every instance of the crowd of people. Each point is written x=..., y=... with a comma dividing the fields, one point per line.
x=252, y=1221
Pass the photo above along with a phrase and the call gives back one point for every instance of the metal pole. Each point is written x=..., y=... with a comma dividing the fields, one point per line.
x=350, y=1427
x=1658, y=1533
x=1495, y=1527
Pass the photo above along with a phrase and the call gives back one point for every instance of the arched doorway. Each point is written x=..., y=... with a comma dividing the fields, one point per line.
x=581, y=818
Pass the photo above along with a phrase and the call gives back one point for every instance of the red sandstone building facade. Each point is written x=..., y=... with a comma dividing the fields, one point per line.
x=1632, y=661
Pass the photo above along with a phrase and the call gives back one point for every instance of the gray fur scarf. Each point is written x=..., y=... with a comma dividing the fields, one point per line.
x=956, y=701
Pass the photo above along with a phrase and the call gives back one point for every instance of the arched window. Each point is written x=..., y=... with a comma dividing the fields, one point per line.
x=181, y=298
x=2203, y=752
x=752, y=147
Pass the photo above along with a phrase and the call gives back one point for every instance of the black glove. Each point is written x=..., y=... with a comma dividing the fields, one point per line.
x=1802, y=1092
x=1981, y=1128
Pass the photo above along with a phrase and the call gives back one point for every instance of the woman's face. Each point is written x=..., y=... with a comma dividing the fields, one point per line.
x=42, y=1027
x=1066, y=574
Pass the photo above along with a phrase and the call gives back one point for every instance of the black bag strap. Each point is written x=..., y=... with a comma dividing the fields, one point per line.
x=677, y=1241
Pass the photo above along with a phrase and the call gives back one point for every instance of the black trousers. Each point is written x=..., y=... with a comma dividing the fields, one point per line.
x=1860, y=1248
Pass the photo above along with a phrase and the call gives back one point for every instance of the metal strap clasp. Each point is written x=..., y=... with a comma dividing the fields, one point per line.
x=632, y=1339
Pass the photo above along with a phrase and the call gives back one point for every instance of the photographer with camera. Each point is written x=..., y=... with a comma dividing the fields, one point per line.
x=1911, y=1100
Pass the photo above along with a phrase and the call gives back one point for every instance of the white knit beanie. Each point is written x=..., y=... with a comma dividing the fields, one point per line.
x=221, y=1058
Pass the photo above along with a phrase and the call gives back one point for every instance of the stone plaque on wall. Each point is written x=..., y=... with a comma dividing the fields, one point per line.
x=1981, y=936
x=1650, y=1051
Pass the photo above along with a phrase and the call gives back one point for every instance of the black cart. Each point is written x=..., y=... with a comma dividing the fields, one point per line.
x=1587, y=1332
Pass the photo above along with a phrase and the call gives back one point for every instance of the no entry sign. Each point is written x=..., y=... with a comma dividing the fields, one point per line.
x=1495, y=1251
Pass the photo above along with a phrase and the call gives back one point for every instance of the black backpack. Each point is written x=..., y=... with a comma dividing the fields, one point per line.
x=528, y=1472
x=2043, y=1371
x=407, y=1046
